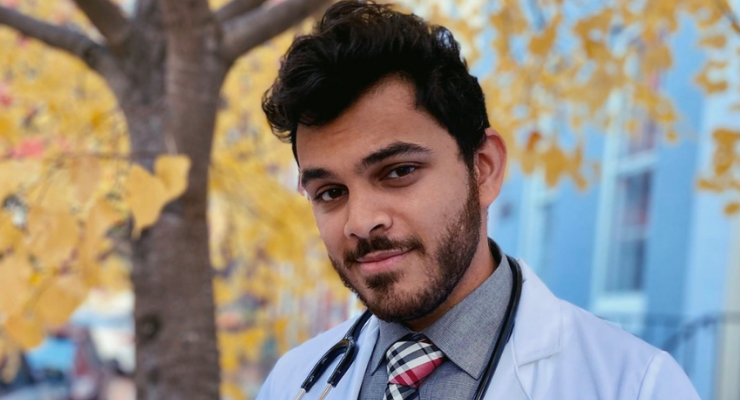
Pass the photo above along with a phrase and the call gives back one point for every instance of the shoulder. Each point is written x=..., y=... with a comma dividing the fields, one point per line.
x=588, y=329
x=295, y=365
x=314, y=348
x=620, y=361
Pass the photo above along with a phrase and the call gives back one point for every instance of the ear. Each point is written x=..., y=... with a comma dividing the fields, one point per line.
x=490, y=165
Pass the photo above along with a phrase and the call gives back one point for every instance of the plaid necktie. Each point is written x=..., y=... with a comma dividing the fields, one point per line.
x=410, y=361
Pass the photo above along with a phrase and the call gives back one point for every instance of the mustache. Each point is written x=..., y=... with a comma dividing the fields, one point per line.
x=381, y=243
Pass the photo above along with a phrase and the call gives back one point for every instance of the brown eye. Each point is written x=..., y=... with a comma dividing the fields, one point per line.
x=330, y=194
x=401, y=171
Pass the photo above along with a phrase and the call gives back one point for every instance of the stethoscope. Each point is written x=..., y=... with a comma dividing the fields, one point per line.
x=348, y=346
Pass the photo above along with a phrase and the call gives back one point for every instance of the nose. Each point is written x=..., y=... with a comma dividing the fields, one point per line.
x=365, y=218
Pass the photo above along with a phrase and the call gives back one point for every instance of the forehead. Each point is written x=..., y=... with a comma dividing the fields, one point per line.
x=386, y=114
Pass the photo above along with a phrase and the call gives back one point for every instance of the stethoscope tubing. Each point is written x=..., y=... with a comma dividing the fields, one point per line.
x=348, y=345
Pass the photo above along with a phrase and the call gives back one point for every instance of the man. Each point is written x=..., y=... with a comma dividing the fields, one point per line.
x=397, y=156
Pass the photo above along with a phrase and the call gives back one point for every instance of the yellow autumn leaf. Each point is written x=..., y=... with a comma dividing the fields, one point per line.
x=254, y=339
x=710, y=86
x=232, y=390
x=671, y=137
x=10, y=235
x=555, y=163
x=713, y=42
x=711, y=185
x=85, y=175
x=173, y=172
x=102, y=216
x=15, y=288
x=10, y=361
x=732, y=208
x=87, y=257
x=60, y=298
x=657, y=59
x=15, y=173
x=55, y=192
x=25, y=330
x=51, y=236
x=229, y=360
x=145, y=196
x=115, y=274
x=541, y=44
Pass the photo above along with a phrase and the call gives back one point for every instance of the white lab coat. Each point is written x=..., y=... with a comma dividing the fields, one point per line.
x=557, y=351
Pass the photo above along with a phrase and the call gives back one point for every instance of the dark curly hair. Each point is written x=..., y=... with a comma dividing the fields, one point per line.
x=355, y=46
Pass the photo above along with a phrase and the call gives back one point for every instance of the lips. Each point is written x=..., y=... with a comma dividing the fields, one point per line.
x=380, y=256
x=381, y=261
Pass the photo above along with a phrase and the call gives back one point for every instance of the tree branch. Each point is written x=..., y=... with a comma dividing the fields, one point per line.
x=729, y=14
x=55, y=36
x=109, y=20
x=96, y=56
x=244, y=33
x=236, y=8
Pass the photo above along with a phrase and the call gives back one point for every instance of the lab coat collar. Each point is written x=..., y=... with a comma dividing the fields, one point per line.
x=538, y=330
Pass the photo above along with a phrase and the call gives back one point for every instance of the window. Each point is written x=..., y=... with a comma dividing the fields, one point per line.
x=629, y=233
x=538, y=218
x=622, y=239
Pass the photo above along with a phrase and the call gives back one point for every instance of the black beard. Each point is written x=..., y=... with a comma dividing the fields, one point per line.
x=457, y=246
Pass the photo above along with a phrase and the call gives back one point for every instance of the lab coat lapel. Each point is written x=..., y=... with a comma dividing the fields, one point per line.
x=537, y=335
x=349, y=388
x=539, y=324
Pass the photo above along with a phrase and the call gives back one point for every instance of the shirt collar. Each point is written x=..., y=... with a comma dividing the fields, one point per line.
x=467, y=331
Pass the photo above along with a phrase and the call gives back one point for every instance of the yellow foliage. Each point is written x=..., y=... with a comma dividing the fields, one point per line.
x=263, y=238
x=114, y=274
x=708, y=85
x=85, y=173
x=732, y=208
x=25, y=329
x=10, y=235
x=714, y=42
x=172, y=171
x=145, y=195
x=16, y=173
x=10, y=361
x=541, y=44
x=59, y=298
x=15, y=276
x=52, y=236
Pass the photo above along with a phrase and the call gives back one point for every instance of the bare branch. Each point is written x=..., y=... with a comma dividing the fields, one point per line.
x=236, y=8
x=109, y=20
x=53, y=35
x=96, y=56
x=250, y=30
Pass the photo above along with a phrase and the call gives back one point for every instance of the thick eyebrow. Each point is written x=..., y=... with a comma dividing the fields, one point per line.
x=312, y=174
x=392, y=150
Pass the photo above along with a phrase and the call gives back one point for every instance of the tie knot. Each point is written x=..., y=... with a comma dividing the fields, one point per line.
x=411, y=360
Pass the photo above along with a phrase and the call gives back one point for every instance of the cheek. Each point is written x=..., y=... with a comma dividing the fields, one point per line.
x=433, y=205
x=331, y=232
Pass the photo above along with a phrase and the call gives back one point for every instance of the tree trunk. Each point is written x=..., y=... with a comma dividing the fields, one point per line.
x=170, y=106
x=165, y=65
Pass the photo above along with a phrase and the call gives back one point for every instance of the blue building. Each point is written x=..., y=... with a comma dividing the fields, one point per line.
x=642, y=247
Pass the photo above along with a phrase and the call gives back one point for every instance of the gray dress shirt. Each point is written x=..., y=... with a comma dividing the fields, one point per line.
x=466, y=335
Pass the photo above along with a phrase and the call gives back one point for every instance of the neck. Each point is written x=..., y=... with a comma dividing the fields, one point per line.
x=480, y=269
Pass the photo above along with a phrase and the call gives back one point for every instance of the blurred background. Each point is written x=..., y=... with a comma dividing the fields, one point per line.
x=622, y=120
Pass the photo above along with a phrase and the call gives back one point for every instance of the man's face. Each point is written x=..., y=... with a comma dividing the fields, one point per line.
x=395, y=205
